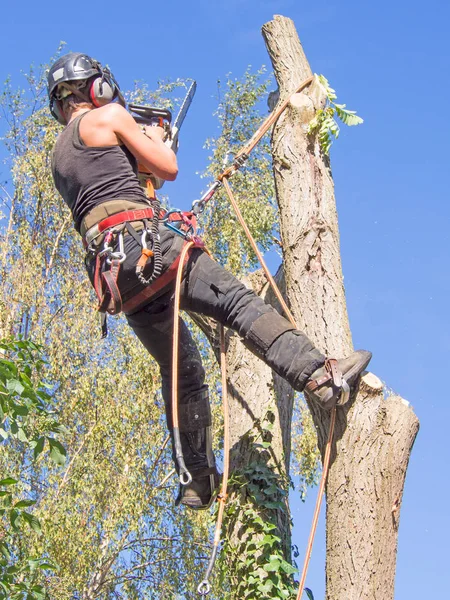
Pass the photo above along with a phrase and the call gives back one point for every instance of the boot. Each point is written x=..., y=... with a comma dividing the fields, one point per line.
x=196, y=444
x=330, y=385
x=202, y=491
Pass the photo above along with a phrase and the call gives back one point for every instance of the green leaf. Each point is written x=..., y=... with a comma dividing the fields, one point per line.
x=21, y=435
x=14, y=516
x=21, y=410
x=309, y=594
x=287, y=568
x=5, y=551
x=48, y=567
x=39, y=447
x=274, y=565
x=8, y=481
x=266, y=587
x=57, y=452
x=14, y=386
x=32, y=522
x=24, y=503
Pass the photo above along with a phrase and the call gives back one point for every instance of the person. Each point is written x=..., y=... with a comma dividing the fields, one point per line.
x=94, y=167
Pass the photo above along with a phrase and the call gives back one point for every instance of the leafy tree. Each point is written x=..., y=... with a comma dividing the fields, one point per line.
x=108, y=515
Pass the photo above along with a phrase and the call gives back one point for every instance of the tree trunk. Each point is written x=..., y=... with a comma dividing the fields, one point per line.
x=373, y=436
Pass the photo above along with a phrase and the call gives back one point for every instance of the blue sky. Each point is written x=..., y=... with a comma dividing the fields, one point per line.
x=390, y=62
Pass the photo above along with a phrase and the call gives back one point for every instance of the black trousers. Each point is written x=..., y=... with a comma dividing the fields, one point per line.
x=211, y=290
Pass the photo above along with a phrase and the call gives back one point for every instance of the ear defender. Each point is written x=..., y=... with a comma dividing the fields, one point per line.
x=101, y=92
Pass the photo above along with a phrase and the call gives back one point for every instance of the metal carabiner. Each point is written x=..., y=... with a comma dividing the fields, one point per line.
x=145, y=233
x=204, y=588
x=120, y=255
x=107, y=249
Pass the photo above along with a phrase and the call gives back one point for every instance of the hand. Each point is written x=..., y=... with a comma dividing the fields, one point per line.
x=154, y=133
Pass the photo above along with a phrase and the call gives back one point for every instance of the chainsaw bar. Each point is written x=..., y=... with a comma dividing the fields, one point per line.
x=185, y=106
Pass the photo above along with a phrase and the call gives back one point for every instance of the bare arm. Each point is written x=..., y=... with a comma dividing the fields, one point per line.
x=149, y=149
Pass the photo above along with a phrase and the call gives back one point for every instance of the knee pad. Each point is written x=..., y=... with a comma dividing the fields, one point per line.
x=195, y=413
x=265, y=331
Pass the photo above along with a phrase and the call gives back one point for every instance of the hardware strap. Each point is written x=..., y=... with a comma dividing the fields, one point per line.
x=117, y=219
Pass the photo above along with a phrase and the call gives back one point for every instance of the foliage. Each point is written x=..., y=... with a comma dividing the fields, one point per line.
x=238, y=116
x=324, y=123
x=257, y=567
x=27, y=421
x=305, y=462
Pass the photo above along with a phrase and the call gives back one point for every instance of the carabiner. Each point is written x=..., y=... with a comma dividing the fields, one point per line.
x=145, y=233
x=120, y=255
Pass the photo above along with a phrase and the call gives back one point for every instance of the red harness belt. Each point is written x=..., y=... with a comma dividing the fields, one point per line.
x=105, y=284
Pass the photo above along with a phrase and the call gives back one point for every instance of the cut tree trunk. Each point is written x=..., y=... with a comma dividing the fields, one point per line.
x=374, y=435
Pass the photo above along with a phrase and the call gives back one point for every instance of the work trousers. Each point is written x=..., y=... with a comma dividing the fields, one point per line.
x=209, y=289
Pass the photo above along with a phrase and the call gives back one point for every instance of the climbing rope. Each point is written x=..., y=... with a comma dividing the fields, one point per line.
x=185, y=477
x=204, y=587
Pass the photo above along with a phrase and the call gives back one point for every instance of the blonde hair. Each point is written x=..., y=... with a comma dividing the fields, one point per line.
x=72, y=102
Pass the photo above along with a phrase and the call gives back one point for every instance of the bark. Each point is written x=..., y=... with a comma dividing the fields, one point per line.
x=374, y=436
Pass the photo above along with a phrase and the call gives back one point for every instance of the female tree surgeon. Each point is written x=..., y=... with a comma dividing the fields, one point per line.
x=95, y=170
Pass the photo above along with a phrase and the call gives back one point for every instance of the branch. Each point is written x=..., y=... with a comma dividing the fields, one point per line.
x=77, y=453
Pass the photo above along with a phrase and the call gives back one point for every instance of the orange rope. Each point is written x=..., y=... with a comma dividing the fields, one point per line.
x=204, y=586
x=176, y=329
x=226, y=441
x=183, y=472
x=267, y=124
x=326, y=464
x=258, y=253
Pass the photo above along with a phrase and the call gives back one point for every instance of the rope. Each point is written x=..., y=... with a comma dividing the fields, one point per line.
x=258, y=253
x=185, y=476
x=267, y=124
x=312, y=534
x=204, y=587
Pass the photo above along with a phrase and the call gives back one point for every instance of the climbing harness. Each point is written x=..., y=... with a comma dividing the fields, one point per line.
x=112, y=229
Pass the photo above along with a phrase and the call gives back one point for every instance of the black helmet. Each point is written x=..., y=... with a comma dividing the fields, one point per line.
x=71, y=67
x=79, y=68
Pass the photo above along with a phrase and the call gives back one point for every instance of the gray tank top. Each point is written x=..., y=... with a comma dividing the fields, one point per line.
x=86, y=176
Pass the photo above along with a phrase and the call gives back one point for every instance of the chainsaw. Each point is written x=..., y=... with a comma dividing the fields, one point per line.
x=160, y=117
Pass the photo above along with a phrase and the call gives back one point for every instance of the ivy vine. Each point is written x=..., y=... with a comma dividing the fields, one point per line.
x=257, y=557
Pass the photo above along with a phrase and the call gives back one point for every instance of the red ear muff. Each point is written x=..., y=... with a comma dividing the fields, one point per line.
x=57, y=113
x=101, y=92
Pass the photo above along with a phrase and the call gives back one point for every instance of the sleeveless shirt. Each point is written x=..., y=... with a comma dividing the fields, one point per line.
x=86, y=176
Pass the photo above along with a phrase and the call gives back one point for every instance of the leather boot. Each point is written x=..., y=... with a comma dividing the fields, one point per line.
x=331, y=384
x=196, y=444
